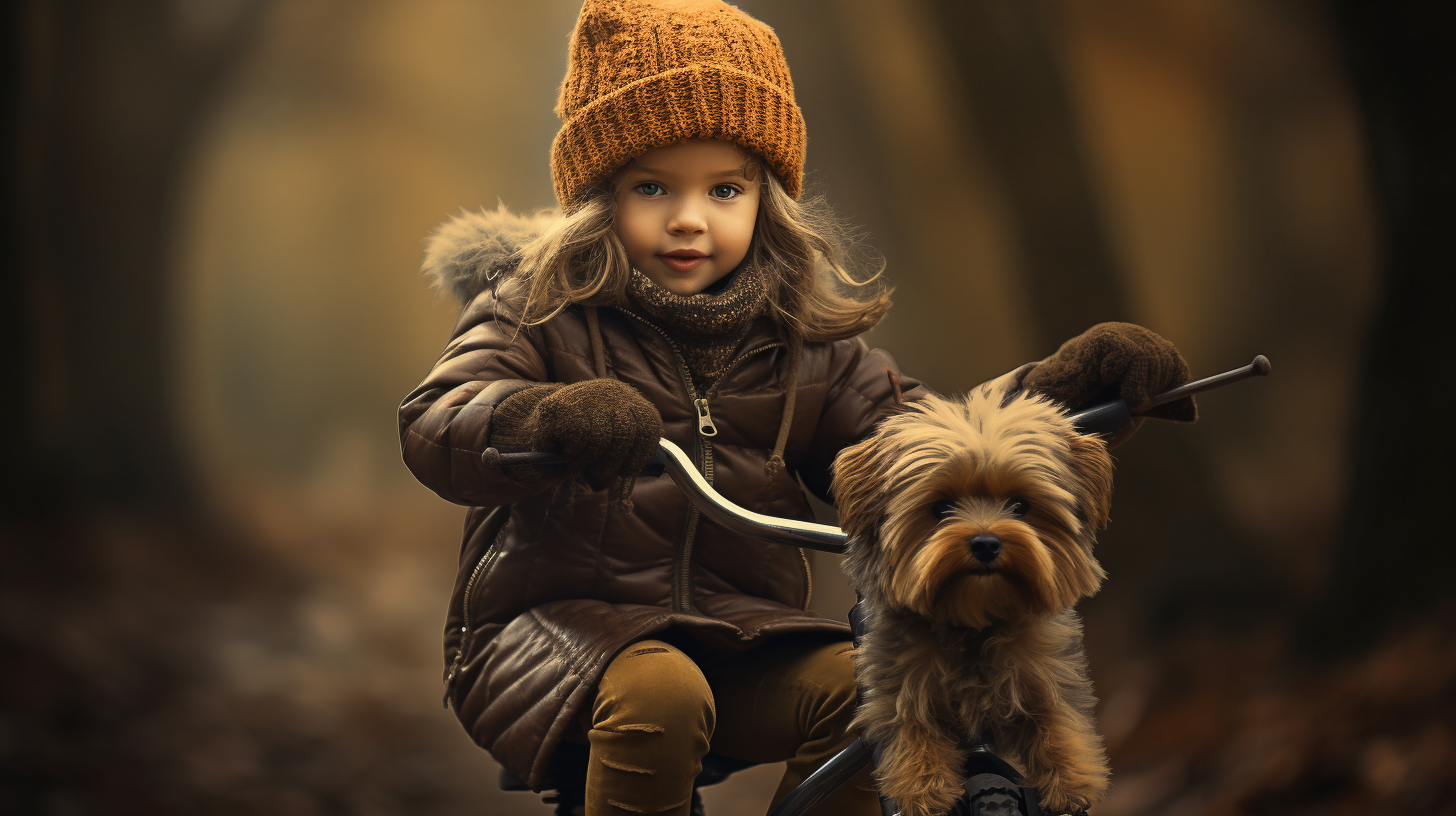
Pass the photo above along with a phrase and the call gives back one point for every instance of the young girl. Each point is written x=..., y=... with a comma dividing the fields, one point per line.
x=682, y=291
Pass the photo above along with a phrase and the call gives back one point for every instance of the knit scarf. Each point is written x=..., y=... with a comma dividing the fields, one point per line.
x=706, y=327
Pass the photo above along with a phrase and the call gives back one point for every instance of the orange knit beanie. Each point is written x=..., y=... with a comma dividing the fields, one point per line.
x=642, y=74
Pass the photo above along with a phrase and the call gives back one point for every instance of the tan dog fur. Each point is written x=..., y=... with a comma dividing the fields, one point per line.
x=957, y=646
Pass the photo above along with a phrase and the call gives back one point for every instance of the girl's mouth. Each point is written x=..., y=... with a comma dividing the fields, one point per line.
x=683, y=260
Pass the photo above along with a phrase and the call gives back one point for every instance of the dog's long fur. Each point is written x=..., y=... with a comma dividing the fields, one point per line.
x=958, y=647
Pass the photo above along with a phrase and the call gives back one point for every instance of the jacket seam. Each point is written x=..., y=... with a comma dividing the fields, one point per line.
x=432, y=443
x=573, y=355
x=857, y=392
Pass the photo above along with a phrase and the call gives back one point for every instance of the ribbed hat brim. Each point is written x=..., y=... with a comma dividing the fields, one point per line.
x=694, y=102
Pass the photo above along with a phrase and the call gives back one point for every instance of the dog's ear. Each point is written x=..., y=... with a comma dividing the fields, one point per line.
x=858, y=484
x=1092, y=468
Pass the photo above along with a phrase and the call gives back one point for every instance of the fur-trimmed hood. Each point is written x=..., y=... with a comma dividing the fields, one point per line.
x=470, y=250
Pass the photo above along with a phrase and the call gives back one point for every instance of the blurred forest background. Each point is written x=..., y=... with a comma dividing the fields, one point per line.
x=221, y=592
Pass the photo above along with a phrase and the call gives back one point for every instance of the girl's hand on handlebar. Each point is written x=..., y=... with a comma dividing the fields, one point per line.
x=607, y=429
x=1115, y=361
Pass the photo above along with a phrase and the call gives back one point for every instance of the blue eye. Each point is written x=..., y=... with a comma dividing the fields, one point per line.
x=724, y=191
x=649, y=188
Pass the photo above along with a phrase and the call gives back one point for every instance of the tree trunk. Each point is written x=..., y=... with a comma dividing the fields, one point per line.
x=1393, y=558
x=109, y=100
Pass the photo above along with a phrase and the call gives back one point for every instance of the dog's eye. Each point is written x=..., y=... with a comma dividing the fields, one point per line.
x=1018, y=506
x=942, y=509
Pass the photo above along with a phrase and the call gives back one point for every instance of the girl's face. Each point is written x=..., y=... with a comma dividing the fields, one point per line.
x=686, y=212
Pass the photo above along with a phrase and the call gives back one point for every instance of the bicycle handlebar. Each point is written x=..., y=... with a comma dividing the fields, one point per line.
x=712, y=504
x=1106, y=418
x=824, y=537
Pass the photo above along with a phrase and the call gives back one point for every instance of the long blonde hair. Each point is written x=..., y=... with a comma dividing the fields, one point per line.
x=802, y=248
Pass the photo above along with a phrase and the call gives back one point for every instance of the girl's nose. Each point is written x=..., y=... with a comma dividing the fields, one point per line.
x=686, y=220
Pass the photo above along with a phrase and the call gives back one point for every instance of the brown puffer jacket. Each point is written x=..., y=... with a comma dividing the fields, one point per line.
x=552, y=587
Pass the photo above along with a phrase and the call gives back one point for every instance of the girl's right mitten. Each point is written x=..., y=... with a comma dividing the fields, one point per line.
x=605, y=426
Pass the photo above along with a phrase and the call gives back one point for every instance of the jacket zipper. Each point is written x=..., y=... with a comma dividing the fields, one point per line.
x=465, y=616
x=703, y=412
x=706, y=430
x=808, y=579
x=682, y=581
x=682, y=596
x=705, y=418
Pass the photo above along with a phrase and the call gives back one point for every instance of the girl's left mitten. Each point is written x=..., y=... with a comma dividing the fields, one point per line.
x=1115, y=361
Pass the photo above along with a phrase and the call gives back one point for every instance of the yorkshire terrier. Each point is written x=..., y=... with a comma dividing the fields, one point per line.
x=972, y=523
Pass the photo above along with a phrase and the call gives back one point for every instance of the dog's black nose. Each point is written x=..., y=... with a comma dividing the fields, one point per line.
x=986, y=547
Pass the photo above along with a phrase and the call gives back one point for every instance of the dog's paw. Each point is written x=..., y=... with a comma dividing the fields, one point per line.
x=922, y=783
x=1059, y=797
x=1069, y=781
x=1076, y=808
x=924, y=802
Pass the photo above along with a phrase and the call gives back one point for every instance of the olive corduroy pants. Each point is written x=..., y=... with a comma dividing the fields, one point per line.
x=657, y=713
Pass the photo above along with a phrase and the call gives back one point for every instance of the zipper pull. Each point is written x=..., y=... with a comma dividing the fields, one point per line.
x=450, y=679
x=454, y=668
x=705, y=419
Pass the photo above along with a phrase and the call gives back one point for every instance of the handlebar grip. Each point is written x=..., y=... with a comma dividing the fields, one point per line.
x=1106, y=418
x=496, y=460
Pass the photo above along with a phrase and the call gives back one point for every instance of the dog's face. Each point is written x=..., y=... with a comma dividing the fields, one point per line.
x=968, y=511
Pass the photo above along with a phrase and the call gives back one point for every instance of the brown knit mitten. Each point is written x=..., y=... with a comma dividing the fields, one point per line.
x=1111, y=361
x=608, y=429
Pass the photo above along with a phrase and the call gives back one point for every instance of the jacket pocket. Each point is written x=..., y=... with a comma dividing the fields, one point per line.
x=477, y=576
